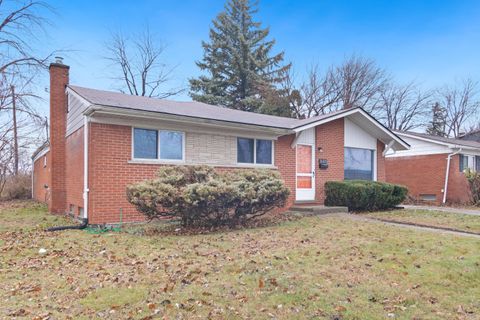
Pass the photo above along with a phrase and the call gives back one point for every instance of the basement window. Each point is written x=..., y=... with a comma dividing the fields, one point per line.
x=428, y=197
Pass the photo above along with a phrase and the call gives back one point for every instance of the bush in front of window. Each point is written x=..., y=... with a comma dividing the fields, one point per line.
x=360, y=195
x=473, y=178
x=199, y=196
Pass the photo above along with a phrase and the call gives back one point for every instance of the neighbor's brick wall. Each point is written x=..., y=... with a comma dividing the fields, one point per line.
x=74, y=171
x=329, y=137
x=41, y=176
x=458, y=189
x=110, y=172
x=425, y=174
x=381, y=175
x=58, y=105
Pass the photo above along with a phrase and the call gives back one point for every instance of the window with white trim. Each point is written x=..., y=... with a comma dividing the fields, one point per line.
x=255, y=151
x=469, y=162
x=358, y=164
x=158, y=144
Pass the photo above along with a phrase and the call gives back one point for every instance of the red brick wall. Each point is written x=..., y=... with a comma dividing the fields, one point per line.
x=110, y=172
x=458, y=189
x=285, y=161
x=74, y=171
x=380, y=161
x=58, y=104
x=41, y=176
x=329, y=137
x=425, y=174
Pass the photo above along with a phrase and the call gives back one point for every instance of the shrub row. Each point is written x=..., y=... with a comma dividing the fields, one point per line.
x=199, y=196
x=360, y=195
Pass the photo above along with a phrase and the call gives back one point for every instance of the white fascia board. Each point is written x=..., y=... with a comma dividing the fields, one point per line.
x=140, y=114
x=449, y=145
x=41, y=153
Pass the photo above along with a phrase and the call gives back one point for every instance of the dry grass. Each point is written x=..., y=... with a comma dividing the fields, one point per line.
x=458, y=221
x=316, y=267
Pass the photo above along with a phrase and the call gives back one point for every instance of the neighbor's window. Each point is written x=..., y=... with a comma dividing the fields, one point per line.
x=358, y=164
x=254, y=151
x=468, y=162
x=145, y=143
x=154, y=144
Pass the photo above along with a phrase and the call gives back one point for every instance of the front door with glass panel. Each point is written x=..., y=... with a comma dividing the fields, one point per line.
x=305, y=173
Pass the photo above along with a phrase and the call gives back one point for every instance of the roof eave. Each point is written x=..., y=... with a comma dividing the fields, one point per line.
x=400, y=144
x=143, y=114
x=443, y=143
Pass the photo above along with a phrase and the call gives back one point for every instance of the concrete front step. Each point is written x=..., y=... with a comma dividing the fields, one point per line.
x=317, y=209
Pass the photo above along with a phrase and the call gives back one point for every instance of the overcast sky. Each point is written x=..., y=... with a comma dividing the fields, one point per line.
x=431, y=42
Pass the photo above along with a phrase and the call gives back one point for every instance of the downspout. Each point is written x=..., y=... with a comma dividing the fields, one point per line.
x=85, y=167
x=33, y=177
x=447, y=173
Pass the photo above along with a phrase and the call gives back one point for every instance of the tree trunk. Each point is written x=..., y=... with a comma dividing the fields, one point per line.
x=15, y=137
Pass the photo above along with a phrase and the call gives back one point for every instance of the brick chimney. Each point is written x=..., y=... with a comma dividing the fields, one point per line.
x=58, y=124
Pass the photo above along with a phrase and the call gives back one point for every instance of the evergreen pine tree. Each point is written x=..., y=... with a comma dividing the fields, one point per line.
x=242, y=73
x=439, y=121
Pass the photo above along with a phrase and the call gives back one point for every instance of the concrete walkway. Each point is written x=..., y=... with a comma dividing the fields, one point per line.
x=472, y=212
x=403, y=225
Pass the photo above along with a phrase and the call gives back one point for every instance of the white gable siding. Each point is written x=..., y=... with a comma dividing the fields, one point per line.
x=356, y=137
x=307, y=136
x=74, y=114
x=419, y=147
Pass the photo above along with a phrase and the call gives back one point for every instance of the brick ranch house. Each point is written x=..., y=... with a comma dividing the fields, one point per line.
x=433, y=167
x=102, y=141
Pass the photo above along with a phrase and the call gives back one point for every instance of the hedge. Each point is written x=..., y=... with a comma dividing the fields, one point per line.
x=199, y=196
x=361, y=195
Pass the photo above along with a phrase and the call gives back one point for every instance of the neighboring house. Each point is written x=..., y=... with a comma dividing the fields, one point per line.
x=433, y=167
x=102, y=141
x=471, y=136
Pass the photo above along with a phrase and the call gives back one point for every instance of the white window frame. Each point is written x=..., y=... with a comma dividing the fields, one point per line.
x=471, y=159
x=374, y=162
x=158, y=159
x=254, y=163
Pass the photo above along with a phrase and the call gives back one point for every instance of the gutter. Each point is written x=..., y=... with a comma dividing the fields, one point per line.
x=447, y=173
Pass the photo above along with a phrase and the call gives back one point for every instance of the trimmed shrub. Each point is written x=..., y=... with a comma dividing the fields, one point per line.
x=201, y=197
x=360, y=195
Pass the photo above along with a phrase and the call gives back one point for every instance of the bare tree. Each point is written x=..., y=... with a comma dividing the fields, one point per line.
x=360, y=82
x=320, y=93
x=140, y=66
x=20, y=25
x=403, y=107
x=461, y=103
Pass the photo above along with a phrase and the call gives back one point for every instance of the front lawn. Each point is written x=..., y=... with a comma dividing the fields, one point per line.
x=330, y=267
x=443, y=219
